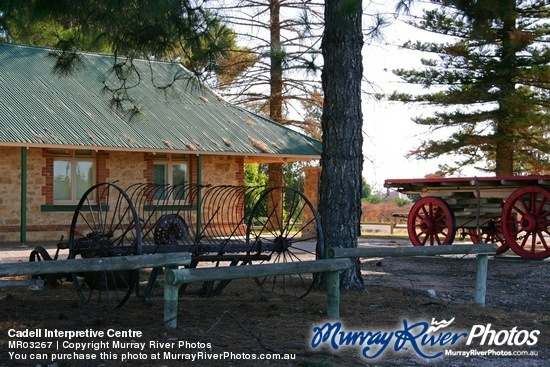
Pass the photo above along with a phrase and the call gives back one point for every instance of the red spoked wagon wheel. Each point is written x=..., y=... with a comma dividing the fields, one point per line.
x=492, y=233
x=526, y=219
x=431, y=222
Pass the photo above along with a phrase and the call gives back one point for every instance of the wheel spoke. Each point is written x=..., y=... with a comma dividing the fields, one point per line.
x=112, y=229
x=284, y=233
x=431, y=219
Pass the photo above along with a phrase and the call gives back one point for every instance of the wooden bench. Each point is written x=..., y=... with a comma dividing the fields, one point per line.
x=174, y=278
x=482, y=252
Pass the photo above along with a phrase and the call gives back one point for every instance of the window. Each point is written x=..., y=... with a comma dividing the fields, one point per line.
x=73, y=174
x=170, y=170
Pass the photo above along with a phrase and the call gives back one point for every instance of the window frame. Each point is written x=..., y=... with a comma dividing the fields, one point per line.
x=170, y=160
x=74, y=156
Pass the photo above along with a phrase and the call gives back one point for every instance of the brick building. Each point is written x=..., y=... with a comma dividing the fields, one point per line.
x=153, y=122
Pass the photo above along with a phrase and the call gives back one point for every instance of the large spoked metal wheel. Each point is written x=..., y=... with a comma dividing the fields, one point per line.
x=105, y=224
x=526, y=218
x=284, y=224
x=431, y=222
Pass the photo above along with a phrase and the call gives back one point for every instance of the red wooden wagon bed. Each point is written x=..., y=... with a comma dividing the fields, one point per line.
x=512, y=211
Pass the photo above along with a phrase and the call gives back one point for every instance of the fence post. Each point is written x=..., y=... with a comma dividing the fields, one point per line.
x=171, y=297
x=481, y=279
x=333, y=294
x=171, y=305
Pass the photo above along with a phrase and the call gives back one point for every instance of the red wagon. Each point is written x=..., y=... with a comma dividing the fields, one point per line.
x=513, y=212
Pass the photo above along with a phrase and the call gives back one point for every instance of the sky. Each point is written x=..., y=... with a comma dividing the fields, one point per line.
x=388, y=129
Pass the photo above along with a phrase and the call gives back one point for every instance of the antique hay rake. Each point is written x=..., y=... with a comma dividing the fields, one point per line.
x=230, y=225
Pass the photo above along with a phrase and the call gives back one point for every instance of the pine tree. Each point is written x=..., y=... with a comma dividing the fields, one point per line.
x=281, y=59
x=342, y=120
x=164, y=30
x=493, y=82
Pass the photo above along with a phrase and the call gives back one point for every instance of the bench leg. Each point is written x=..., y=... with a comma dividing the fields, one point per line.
x=333, y=294
x=171, y=305
x=481, y=279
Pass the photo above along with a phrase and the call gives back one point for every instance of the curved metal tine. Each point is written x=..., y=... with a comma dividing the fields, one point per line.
x=202, y=235
x=180, y=199
x=236, y=206
x=232, y=201
x=253, y=194
x=197, y=237
x=223, y=216
x=180, y=195
x=139, y=197
x=194, y=191
x=156, y=199
x=208, y=211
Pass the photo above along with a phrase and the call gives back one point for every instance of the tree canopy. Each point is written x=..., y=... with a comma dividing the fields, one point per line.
x=490, y=82
x=167, y=30
x=160, y=29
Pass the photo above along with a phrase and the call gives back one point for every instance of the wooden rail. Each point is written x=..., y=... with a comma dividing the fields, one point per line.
x=176, y=277
x=339, y=259
x=482, y=252
x=95, y=264
x=86, y=265
x=392, y=226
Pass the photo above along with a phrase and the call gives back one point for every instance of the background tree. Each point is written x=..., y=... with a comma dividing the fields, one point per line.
x=342, y=158
x=494, y=69
x=280, y=68
x=366, y=189
x=283, y=63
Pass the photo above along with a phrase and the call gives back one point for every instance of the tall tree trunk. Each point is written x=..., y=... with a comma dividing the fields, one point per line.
x=275, y=172
x=276, y=58
x=505, y=129
x=342, y=157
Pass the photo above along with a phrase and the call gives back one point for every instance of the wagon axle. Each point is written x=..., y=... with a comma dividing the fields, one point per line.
x=530, y=223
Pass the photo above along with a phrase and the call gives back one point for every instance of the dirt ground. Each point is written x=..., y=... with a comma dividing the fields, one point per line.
x=246, y=321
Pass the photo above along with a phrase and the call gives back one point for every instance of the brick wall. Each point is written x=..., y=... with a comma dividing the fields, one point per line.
x=125, y=167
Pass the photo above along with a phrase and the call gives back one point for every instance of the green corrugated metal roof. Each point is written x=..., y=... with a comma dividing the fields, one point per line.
x=39, y=108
